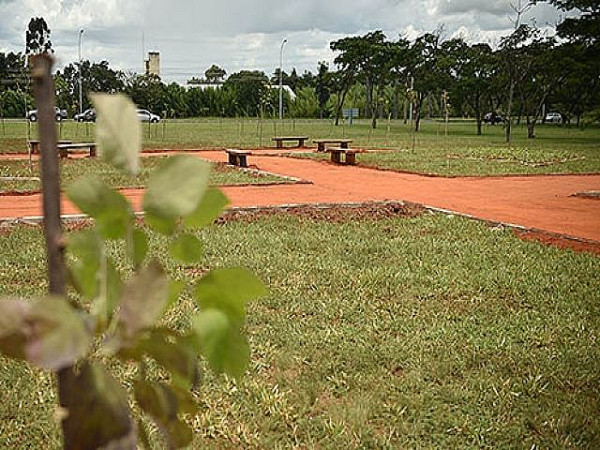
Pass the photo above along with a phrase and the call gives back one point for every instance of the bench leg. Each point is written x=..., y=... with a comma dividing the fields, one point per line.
x=243, y=161
x=92, y=151
x=63, y=153
x=301, y=143
x=321, y=147
x=350, y=159
x=335, y=157
x=231, y=159
x=279, y=144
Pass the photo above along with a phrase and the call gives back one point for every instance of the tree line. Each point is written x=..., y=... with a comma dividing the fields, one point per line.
x=527, y=74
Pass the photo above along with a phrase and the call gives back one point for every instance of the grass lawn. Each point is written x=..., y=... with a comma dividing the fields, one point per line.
x=455, y=151
x=379, y=332
x=72, y=169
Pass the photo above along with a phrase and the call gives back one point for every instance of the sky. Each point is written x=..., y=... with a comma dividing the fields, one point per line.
x=191, y=35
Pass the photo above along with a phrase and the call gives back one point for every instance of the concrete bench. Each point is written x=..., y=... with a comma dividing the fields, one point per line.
x=63, y=149
x=34, y=145
x=349, y=155
x=343, y=143
x=279, y=140
x=237, y=157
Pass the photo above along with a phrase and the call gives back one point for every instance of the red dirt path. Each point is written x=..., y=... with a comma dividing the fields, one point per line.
x=542, y=203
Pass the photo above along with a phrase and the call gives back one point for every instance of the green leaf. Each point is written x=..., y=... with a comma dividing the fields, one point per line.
x=176, y=287
x=179, y=359
x=104, y=307
x=187, y=249
x=48, y=333
x=222, y=342
x=162, y=404
x=209, y=209
x=98, y=413
x=118, y=131
x=144, y=299
x=139, y=247
x=176, y=188
x=163, y=226
x=108, y=207
x=228, y=290
x=13, y=316
x=85, y=247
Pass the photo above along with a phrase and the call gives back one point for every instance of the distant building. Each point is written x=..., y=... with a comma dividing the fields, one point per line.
x=153, y=64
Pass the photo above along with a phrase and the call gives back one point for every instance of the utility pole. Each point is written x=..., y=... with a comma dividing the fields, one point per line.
x=80, y=83
x=281, y=79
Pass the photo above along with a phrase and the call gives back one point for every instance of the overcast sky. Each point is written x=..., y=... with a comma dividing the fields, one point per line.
x=243, y=34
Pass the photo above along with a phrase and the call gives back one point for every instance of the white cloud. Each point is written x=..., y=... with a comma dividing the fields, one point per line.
x=240, y=34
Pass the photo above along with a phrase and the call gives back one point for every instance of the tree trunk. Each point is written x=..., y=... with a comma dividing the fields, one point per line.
x=418, y=107
x=530, y=128
x=396, y=106
x=340, y=105
x=508, y=124
x=369, y=95
x=479, y=125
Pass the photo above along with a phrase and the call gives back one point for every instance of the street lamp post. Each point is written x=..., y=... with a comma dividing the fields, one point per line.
x=281, y=79
x=80, y=87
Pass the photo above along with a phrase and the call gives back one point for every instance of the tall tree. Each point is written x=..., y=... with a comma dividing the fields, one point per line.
x=215, y=74
x=323, y=88
x=473, y=68
x=37, y=37
x=95, y=77
x=514, y=66
x=251, y=92
x=429, y=72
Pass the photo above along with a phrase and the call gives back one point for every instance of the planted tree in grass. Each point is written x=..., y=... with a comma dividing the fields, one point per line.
x=114, y=319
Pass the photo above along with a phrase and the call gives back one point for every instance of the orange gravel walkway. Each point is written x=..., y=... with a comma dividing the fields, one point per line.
x=538, y=202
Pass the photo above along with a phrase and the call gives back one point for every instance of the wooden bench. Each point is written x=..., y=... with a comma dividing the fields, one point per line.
x=237, y=157
x=337, y=152
x=34, y=146
x=321, y=143
x=279, y=140
x=63, y=149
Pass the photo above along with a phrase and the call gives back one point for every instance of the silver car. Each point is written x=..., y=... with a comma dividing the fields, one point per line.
x=146, y=116
x=60, y=114
x=553, y=117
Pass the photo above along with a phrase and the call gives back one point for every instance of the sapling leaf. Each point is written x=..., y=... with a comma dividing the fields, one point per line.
x=228, y=290
x=144, y=299
x=108, y=298
x=176, y=187
x=49, y=333
x=176, y=287
x=162, y=404
x=13, y=316
x=111, y=211
x=98, y=413
x=178, y=359
x=187, y=248
x=85, y=248
x=221, y=342
x=164, y=226
x=209, y=209
x=139, y=246
x=118, y=131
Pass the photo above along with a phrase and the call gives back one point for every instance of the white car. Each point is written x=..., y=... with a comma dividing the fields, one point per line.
x=553, y=117
x=146, y=116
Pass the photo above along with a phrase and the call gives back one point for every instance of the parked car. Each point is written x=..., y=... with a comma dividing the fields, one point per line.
x=553, y=117
x=60, y=114
x=492, y=118
x=89, y=115
x=146, y=116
